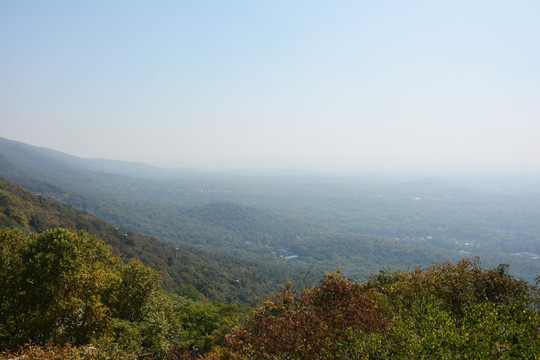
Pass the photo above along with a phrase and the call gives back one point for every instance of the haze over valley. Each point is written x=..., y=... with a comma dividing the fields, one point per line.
x=358, y=223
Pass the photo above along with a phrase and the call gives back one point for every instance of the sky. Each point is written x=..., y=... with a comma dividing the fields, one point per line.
x=316, y=85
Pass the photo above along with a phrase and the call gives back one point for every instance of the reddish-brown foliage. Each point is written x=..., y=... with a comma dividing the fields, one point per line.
x=310, y=324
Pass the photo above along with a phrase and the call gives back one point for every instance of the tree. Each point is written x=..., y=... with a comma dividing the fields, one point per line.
x=446, y=311
x=62, y=288
x=457, y=286
x=311, y=324
x=66, y=282
x=12, y=245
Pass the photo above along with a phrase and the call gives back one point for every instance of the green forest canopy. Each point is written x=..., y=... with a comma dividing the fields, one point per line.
x=66, y=291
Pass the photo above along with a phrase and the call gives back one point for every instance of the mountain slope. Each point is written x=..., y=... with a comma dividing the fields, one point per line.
x=328, y=223
x=214, y=275
x=145, y=205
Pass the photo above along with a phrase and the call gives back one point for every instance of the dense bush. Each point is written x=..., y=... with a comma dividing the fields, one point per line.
x=444, y=312
x=61, y=287
x=310, y=324
x=64, y=295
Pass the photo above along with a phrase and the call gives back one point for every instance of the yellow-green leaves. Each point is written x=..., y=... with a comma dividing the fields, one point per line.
x=64, y=287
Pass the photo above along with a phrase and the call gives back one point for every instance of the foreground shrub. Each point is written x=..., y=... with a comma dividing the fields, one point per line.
x=60, y=288
x=311, y=324
x=446, y=311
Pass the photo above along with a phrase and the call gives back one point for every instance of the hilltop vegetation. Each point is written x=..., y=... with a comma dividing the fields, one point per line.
x=69, y=296
x=445, y=312
x=68, y=289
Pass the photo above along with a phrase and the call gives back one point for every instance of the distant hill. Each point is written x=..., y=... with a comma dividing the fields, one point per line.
x=55, y=162
x=53, y=173
x=214, y=275
x=188, y=213
x=256, y=222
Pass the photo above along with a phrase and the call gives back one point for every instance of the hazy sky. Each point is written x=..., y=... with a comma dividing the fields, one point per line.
x=309, y=84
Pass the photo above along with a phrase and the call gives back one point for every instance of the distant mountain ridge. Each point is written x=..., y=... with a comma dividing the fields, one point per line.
x=34, y=156
x=84, y=184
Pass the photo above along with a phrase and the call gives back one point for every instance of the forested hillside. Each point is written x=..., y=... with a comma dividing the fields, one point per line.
x=357, y=223
x=181, y=266
x=65, y=295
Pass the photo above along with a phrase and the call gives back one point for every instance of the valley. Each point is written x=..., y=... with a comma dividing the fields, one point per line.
x=358, y=223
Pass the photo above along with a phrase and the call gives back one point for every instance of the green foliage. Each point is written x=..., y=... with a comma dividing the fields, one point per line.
x=462, y=309
x=65, y=291
x=444, y=312
x=205, y=324
x=67, y=280
x=139, y=287
x=12, y=245
x=211, y=274
x=190, y=292
x=61, y=287
x=362, y=255
x=56, y=286
x=457, y=287
x=486, y=330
